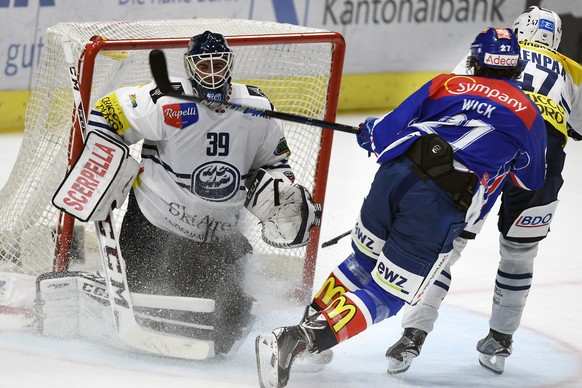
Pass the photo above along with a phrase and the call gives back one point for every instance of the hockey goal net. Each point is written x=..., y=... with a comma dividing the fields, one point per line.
x=299, y=69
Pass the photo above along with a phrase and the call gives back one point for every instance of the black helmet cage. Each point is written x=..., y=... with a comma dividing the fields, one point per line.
x=213, y=78
x=208, y=63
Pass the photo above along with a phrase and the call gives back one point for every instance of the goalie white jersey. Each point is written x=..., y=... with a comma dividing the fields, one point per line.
x=194, y=160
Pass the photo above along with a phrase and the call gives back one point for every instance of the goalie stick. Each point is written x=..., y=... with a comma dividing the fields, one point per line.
x=128, y=330
x=159, y=70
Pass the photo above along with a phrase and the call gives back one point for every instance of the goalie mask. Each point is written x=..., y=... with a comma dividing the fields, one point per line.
x=539, y=25
x=495, y=49
x=208, y=64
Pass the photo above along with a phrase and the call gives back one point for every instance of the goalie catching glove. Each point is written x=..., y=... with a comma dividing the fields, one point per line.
x=286, y=210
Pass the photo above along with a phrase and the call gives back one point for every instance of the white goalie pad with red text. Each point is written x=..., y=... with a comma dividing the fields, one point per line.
x=99, y=181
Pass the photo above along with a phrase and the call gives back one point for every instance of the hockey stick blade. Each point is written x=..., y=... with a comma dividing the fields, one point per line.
x=335, y=239
x=159, y=70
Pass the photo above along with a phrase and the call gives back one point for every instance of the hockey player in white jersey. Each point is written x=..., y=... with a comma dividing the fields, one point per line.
x=199, y=168
x=553, y=82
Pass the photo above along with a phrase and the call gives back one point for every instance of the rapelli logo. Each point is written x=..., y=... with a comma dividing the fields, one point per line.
x=180, y=115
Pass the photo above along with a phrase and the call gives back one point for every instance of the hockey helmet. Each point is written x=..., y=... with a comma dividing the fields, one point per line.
x=495, y=48
x=539, y=25
x=208, y=63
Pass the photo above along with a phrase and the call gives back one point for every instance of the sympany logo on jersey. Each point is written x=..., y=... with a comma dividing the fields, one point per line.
x=216, y=181
x=180, y=115
x=497, y=91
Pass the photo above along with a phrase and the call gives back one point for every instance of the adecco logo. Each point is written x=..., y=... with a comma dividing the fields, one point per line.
x=501, y=60
x=24, y=3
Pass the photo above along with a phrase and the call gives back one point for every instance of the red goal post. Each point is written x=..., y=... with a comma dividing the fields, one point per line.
x=297, y=67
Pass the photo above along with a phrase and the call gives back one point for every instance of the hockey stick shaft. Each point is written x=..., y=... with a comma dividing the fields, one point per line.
x=128, y=330
x=335, y=239
x=159, y=70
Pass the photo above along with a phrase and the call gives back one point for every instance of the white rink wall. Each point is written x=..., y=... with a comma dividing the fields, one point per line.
x=381, y=35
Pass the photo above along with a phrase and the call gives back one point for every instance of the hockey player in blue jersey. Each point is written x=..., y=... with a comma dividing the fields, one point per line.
x=444, y=155
x=554, y=82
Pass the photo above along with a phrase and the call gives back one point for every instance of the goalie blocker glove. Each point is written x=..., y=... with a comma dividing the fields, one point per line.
x=100, y=179
x=286, y=210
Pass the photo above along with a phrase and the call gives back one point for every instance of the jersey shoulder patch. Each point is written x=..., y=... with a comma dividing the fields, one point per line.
x=255, y=91
x=155, y=93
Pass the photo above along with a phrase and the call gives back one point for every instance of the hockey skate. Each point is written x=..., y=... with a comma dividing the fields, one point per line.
x=493, y=350
x=307, y=362
x=276, y=352
x=401, y=354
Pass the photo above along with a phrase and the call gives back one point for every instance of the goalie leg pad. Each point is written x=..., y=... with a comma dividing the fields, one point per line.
x=73, y=304
x=99, y=181
x=233, y=322
x=285, y=209
x=76, y=304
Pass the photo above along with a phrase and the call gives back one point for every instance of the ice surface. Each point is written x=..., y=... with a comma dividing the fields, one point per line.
x=547, y=347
